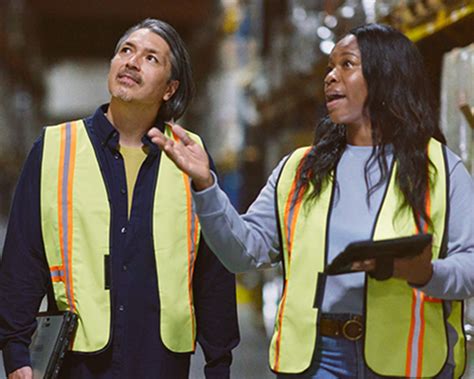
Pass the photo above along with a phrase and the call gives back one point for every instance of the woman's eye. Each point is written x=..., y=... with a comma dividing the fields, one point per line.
x=347, y=64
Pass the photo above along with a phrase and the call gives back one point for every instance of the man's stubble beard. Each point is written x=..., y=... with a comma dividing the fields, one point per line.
x=123, y=94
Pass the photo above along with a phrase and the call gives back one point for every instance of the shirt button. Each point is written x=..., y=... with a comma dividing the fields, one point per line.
x=123, y=191
x=116, y=156
x=124, y=267
x=121, y=308
x=123, y=230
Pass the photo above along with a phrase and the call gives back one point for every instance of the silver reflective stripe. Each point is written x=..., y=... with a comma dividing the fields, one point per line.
x=65, y=200
x=418, y=322
x=57, y=274
x=192, y=238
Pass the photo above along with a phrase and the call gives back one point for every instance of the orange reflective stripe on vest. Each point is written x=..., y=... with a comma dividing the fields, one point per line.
x=414, y=361
x=292, y=209
x=192, y=241
x=57, y=274
x=65, y=185
x=417, y=332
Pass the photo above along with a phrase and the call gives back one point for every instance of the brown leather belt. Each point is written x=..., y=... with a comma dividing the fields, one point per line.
x=351, y=329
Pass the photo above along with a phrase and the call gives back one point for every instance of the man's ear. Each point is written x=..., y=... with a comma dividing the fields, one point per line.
x=171, y=89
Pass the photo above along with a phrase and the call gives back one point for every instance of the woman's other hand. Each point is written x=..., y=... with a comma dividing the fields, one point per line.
x=415, y=270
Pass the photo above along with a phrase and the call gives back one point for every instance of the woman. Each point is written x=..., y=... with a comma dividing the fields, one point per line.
x=378, y=168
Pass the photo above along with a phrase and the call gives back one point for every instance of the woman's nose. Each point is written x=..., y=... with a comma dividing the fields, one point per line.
x=330, y=77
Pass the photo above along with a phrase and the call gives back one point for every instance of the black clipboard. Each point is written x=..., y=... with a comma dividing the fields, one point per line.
x=50, y=342
x=383, y=251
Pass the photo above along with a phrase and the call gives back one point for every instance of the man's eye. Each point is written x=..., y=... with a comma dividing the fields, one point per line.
x=125, y=49
x=152, y=59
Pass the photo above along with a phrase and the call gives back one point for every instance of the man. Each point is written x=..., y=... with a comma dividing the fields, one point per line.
x=144, y=285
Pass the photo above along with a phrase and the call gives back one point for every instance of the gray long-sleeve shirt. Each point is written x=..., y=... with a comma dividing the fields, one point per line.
x=250, y=241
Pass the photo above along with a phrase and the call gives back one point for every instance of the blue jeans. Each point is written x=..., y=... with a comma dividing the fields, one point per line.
x=339, y=358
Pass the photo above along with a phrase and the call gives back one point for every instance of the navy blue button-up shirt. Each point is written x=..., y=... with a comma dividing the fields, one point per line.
x=135, y=349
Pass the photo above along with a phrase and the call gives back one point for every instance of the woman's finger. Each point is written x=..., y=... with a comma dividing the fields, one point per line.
x=181, y=134
x=157, y=137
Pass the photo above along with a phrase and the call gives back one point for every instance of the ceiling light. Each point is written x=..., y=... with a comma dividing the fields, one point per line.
x=326, y=46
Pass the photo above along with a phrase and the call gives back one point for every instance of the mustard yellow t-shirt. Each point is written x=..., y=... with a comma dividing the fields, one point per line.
x=133, y=158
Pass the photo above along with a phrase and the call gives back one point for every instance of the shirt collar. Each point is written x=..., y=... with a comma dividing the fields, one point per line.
x=109, y=136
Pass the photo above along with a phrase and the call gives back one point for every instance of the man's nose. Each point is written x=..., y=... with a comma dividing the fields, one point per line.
x=133, y=62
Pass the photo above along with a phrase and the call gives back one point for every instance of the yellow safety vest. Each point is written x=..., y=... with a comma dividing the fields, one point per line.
x=405, y=330
x=75, y=221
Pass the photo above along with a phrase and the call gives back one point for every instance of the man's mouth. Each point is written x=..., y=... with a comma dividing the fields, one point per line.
x=127, y=76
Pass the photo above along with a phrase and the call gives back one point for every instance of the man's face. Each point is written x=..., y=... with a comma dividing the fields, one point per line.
x=140, y=71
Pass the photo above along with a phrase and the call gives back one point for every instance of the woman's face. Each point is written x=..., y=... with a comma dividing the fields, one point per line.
x=345, y=87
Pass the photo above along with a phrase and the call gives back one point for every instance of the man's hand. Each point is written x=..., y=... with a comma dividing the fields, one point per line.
x=416, y=270
x=187, y=155
x=22, y=373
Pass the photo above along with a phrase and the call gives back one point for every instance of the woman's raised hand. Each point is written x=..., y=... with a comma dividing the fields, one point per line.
x=186, y=154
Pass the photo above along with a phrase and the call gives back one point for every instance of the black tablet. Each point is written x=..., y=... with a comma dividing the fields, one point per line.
x=50, y=342
x=382, y=250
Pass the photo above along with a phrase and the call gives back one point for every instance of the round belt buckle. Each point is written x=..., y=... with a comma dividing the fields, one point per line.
x=352, y=330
